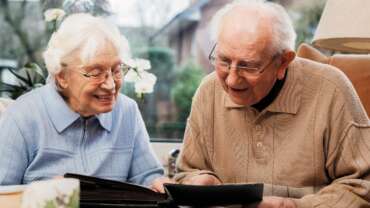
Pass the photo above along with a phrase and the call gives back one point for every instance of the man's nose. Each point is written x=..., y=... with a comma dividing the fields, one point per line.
x=233, y=78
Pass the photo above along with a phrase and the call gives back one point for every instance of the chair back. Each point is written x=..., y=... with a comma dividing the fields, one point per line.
x=355, y=66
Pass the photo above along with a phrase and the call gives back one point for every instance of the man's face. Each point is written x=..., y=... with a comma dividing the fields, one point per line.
x=246, y=45
x=86, y=96
x=244, y=88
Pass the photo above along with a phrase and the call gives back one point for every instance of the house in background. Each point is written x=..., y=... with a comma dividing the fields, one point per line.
x=188, y=33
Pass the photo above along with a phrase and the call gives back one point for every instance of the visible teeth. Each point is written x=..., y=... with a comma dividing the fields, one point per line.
x=104, y=97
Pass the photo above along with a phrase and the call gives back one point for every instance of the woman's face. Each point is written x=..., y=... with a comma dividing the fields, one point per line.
x=85, y=95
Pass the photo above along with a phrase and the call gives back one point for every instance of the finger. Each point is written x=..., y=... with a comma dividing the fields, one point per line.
x=58, y=177
x=158, y=188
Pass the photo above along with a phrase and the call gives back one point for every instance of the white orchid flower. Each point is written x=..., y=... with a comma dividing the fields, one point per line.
x=139, y=64
x=132, y=76
x=148, y=77
x=146, y=83
x=53, y=14
x=143, y=64
x=142, y=87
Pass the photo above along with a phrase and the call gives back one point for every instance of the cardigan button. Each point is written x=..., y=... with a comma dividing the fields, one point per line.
x=259, y=144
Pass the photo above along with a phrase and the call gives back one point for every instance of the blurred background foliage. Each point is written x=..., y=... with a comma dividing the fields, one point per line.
x=24, y=36
x=153, y=106
x=306, y=17
x=187, y=82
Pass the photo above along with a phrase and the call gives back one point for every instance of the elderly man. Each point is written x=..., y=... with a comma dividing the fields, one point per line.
x=266, y=116
x=79, y=122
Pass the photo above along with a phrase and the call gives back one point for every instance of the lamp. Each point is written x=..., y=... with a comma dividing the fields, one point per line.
x=344, y=26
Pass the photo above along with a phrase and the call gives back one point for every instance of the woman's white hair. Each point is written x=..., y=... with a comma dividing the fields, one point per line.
x=284, y=36
x=86, y=33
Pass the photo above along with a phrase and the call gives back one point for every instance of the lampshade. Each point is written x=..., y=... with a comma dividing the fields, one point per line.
x=344, y=26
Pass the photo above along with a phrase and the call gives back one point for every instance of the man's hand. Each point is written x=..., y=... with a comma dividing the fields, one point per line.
x=203, y=179
x=157, y=184
x=275, y=202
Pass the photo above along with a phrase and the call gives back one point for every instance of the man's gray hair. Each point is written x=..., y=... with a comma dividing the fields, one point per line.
x=87, y=35
x=284, y=35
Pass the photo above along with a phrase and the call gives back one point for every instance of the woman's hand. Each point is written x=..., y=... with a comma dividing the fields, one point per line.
x=157, y=184
x=203, y=179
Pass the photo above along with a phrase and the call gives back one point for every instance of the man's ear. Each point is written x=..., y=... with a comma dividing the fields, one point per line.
x=61, y=79
x=286, y=58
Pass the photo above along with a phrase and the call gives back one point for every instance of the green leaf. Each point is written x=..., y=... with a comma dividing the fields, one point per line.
x=39, y=71
x=29, y=79
x=50, y=204
x=6, y=85
x=20, y=77
x=74, y=200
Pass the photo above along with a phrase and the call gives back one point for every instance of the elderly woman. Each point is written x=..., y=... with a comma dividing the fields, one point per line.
x=79, y=122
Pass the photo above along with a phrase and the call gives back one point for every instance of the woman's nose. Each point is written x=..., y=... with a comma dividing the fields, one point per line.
x=109, y=83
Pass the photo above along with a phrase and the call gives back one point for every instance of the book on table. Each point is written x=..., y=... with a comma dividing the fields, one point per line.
x=97, y=192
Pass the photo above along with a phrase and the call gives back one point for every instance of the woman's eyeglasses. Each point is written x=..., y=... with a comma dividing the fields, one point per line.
x=99, y=74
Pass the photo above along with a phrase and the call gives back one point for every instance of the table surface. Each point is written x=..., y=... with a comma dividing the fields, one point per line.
x=10, y=200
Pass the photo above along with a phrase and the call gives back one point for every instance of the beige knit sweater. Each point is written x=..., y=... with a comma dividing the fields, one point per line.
x=311, y=144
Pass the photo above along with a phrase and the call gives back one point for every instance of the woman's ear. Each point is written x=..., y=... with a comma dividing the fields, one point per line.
x=61, y=79
x=286, y=58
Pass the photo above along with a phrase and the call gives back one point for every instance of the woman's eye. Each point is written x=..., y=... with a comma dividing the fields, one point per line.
x=117, y=68
x=96, y=72
x=116, y=71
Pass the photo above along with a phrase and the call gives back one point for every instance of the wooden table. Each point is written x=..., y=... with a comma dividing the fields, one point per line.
x=10, y=200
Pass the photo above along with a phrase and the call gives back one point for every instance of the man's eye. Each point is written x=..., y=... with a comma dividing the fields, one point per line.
x=222, y=62
x=245, y=64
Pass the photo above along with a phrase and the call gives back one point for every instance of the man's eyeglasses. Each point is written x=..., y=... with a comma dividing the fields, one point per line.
x=98, y=74
x=244, y=67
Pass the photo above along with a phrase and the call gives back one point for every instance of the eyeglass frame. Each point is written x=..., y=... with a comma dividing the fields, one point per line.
x=124, y=68
x=257, y=72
